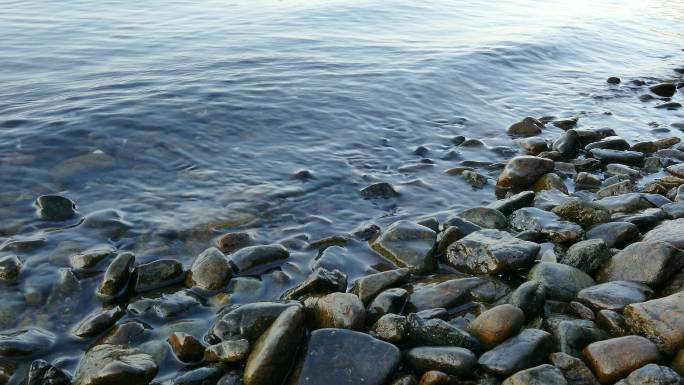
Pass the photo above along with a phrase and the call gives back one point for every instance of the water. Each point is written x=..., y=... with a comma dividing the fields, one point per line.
x=206, y=110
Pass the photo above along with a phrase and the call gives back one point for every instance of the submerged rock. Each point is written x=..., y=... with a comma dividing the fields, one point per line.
x=257, y=257
x=10, y=266
x=115, y=280
x=113, y=365
x=379, y=190
x=55, y=207
x=526, y=127
x=491, y=252
x=321, y=281
x=40, y=372
x=347, y=356
x=210, y=270
x=25, y=342
x=666, y=90
x=98, y=322
x=157, y=274
x=408, y=245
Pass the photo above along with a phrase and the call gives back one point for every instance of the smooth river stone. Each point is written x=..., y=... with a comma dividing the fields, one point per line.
x=615, y=358
x=345, y=357
x=661, y=320
x=157, y=274
x=116, y=277
x=335, y=310
x=547, y=223
x=574, y=369
x=652, y=374
x=437, y=332
x=408, y=245
x=522, y=171
x=615, y=234
x=671, y=232
x=540, y=375
x=320, y=281
x=247, y=321
x=445, y=294
x=509, y=205
x=485, y=217
x=114, y=365
x=450, y=360
x=257, y=257
x=497, y=324
x=562, y=282
x=209, y=271
x=650, y=263
x=614, y=156
x=491, y=252
x=527, y=349
x=366, y=288
x=614, y=295
x=25, y=342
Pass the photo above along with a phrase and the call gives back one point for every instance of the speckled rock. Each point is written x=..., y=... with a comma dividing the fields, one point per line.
x=113, y=365
x=574, y=370
x=587, y=255
x=652, y=374
x=651, y=263
x=485, y=217
x=437, y=332
x=661, y=320
x=615, y=358
x=391, y=328
x=583, y=213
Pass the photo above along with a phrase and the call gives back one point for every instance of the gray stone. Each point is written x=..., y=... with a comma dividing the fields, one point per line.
x=540, y=375
x=389, y=301
x=115, y=280
x=514, y=202
x=257, y=258
x=610, y=142
x=671, y=232
x=366, y=288
x=614, y=156
x=491, y=252
x=568, y=144
x=321, y=281
x=113, y=365
x=562, y=282
x=615, y=234
x=529, y=297
x=587, y=255
x=661, y=320
x=451, y=360
x=485, y=217
x=157, y=274
x=547, y=223
x=651, y=263
x=209, y=271
x=528, y=349
x=652, y=374
x=572, y=335
x=247, y=321
x=445, y=294
x=437, y=332
x=574, y=369
x=25, y=342
x=614, y=295
x=98, y=322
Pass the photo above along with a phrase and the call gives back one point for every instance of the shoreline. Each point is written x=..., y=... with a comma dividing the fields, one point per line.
x=573, y=276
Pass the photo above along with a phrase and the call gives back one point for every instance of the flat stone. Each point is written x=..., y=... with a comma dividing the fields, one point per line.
x=274, y=352
x=508, y=205
x=491, y=252
x=157, y=274
x=614, y=295
x=256, y=258
x=562, y=282
x=540, y=375
x=210, y=271
x=98, y=322
x=348, y=357
x=497, y=324
x=583, y=213
x=247, y=321
x=650, y=263
x=615, y=358
x=614, y=156
x=615, y=234
x=587, y=255
x=610, y=142
x=88, y=261
x=445, y=294
x=25, y=342
x=665, y=90
x=527, y=349
x=547, y=223
x=389, y=301
x=625, y=203
x=408, y=245
x=522, y=171
x=671, y=232
x=674, y=210
x=199, y=376
x=381, y=190
x=335, y=310
x=115, y=279
x=661, y=320
x=113, y=365
x=366, y=288
x=321, y=281
x=485, y=217
x=652, y=374
x=437, y=332
x=227, y=352
x=450, y=360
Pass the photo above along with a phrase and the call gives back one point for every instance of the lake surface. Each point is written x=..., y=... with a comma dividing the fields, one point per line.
x=199, y=114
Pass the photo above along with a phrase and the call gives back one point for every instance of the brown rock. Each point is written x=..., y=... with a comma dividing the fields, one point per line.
x=497, y=324
x=434, y=377
x=522, y=171
x=615, y=358
x=230, y=242
x=186, y=347
x=526, y=127
x=661, y=320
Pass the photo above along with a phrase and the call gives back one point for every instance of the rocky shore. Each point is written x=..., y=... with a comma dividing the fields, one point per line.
x=572, y=275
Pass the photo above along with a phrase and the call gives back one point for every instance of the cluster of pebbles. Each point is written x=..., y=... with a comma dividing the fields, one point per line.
x=573, y=276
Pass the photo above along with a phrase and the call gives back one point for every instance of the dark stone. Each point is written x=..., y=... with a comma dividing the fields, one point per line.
x=348, y=357
x=614, y=156
x=232, y=242
x=388, y=301
x=609, y=143
x=572, y=335
x=529, y=348
x=55, y=207
x=614, y=295
x=208, y=375
x=613, y=80
x=587, y=255
x=98, y=322
x=665, y=90
x=227, y=352
x=651, y=263
x=484, y=217
x=451, y=360
x=445, y=294
x=247, y=321
x=522, y=171
x=157, y=274
x=10, y=266
x=615, y=234
x=562, y=282
x=379, y=190
x=115, y=280
x=530, y=298
x=508, y=205
x=547, y=223
x=574, y=370
x=114, y=365
x=40, y=372
x=540, y=375
x=491, y=252
x=408, y=245
x=321, y=281
x=568, y=144
x=186, y=347
x=366, y=288
x=25, y=342
x=612, y=322
x=652, y=374
x=436, y=332
x=253, y=258
x=89, y=261
x=526, y=127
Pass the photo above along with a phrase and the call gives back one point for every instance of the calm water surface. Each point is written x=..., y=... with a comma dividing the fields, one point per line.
x=200, y=113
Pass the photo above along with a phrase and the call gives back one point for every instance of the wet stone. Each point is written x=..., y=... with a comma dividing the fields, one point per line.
x=186, y=347
x=450, y=360
x=434, y=377
x=367, y=287
x=115, y=280
x=391, y=328
x=126, y=333
x=612, y=322
x=335, y=310
x=615, y=358
x=578, y=309
x=676, y=170
x=661, y=320
x=521, y=172
x=583, y=213
x=666, y=90
x=566, y=124
x=437, y=332
x=408, y=245
x=321, y=281
x=157, y=274
x=651, y=263
x=622, y=170
x=475, y=179
x=574, y=369
x=587, y=256
x=484, y=217
x=547, y=223
x=540, y=375
x=550, y=181
x=625, y=203
x=614, y=295
x=89, y=260
x=389, y=301
x=257, y=257
x=379, y=190
x=619, y=188
x=163, y=305
x=568, y=144
x=112, y=365
x=533, y=145
x=40, y=372
x=497, y=324
x=671, y=232
x=526, y=127
x=610, y=143
x=562, y=282
x=98, y=322
x=207, y=375
x=247, y=321
x=572, y=335
x=652, y=374
x=445, y=294
x=10, y=266
x=347, y=356
x=274, y=351
x=586, y=181
x=232, y=242
x=55, y=207
x=227, y=352
x=614, y=156
x=514, y=202
x=25, y=342
x=613, y=80
x=530, y=298
x=615, y=234
x=491, y=252
x=674, y=210
x=527, y=349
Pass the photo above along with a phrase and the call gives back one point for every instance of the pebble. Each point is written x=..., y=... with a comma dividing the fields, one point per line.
x=447, y=294
x=574, y=369
x=25, y=342
x=210, y=270
x=321, y=281
x=526, y=127
x=40, y=372
x=583, y=213
x=247, y=321
x=652, y=374
x=335, y=310
x=666, y=90
x=437, y=332
x=530, y=298
x=10, y=267
x=485, y=217
x=388, y=301
x=562, y=282
x=615, y=358
x=508, y=205
x=614, y=295
x=568, y=144
x=257, y=258
x=115, y=279
x=588, y=255
x=391, y=328
x=382, y=190
x=522, y=171
x=615, y=234
x=186, y=347
x=607, y=156
x=98, y=322
x=610, y=143
x=650, y=263
x=157, y=274
x=367, y=287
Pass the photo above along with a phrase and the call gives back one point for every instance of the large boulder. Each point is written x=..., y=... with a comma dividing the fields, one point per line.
x=345, y=357
x=661, y=320
x=491, y=252
x=408, y=245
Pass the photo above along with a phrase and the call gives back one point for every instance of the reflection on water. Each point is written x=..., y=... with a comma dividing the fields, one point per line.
x=191, y=120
